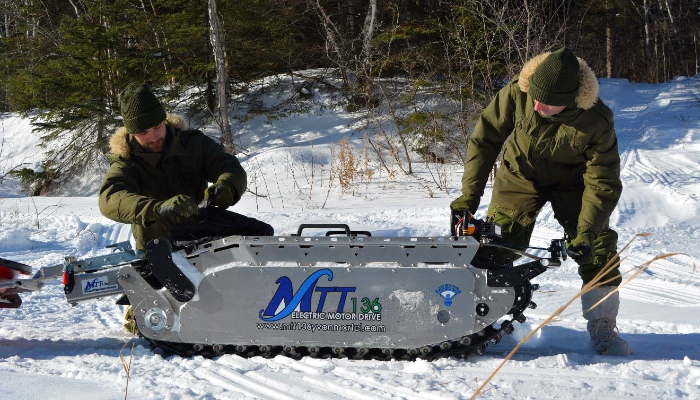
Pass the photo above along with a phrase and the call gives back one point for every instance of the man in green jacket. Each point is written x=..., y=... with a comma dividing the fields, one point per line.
x=559, y=147
x=159, y=174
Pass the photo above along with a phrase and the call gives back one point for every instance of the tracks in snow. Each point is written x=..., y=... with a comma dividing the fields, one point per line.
x=659, y=173
x=552, y=376
x=283, y=378
x=668, y=281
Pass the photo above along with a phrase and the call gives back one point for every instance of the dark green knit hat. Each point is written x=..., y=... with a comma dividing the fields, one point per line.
x=140, y=108
x=555, y=80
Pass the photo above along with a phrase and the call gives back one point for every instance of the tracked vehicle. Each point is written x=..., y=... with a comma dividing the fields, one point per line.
x=345, y=294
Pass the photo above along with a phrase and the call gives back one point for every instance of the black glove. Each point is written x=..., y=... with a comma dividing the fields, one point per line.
x=180, y=205
x=580, y=249
x=465, y=202
x=219, y=194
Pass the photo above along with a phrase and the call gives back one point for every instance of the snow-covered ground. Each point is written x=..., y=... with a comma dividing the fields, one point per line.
x=49, y=349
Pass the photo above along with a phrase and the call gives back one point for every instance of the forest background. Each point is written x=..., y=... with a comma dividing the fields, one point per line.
x=63, y=63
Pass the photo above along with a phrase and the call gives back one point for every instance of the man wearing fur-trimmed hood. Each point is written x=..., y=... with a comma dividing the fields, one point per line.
x=160, y=172
x=559, y=147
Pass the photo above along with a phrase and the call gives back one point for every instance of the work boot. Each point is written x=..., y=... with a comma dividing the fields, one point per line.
x=130, y=321
x=602, y=324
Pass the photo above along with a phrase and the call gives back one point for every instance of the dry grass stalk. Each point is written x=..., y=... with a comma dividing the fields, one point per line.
x=352, y=167
x=127, y=366
x=367, y=164
x=594, y=283
x=279, y=190
x=378, y=152
x=347, y=165
x=400, y=133
x=331, y=177
x=290, y=169
x=253, y=173
x=313, y=168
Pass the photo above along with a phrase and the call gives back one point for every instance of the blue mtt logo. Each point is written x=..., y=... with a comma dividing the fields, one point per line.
x=93, y=284
x=99, y=284
x=448, y=292
x=302, y=297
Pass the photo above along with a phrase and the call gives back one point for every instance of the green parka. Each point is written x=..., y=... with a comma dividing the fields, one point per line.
x=577, y=147
x=138, y=179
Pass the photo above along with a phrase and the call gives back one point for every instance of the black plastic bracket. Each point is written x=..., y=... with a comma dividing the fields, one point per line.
x=514, y=276
x=159, y=256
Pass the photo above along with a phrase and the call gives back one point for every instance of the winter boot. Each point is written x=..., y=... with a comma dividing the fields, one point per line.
x=601, y=322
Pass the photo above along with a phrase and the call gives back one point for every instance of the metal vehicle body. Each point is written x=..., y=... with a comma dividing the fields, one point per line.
x=344, y=294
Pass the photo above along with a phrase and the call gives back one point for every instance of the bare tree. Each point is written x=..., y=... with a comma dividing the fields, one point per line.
x=352, y=54
x=609, y=21
x=335, y=42
x=77, y=10
x=161, y=41
x=530, y=29
x=365, y=83
x=216, y=36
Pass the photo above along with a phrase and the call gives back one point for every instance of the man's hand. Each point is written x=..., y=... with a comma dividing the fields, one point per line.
x=581, y=247
x=465, y=202
x=179, y=205
x=219, y=194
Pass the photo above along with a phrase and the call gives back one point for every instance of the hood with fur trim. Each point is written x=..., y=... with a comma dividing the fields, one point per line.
x=587, y=94
x=119, y=142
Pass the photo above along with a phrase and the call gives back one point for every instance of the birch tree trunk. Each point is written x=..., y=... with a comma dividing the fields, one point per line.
x=157, y=34
x=648, y=52
x=367, y=32
x=610, y=21
x=6, y=19
x=334, y=42
x=75, y=8
x=697, y=57
x=216, y=36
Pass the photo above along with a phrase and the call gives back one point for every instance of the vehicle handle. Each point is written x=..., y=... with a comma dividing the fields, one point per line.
x=344, y=227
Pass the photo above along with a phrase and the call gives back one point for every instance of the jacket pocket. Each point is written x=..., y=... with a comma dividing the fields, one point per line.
x=569, y=146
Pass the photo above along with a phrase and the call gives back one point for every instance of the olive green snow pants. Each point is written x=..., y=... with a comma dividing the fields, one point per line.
x=516, y=202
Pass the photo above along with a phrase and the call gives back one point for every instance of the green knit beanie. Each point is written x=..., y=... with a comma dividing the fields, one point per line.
x=140, y=108
x=555, y=80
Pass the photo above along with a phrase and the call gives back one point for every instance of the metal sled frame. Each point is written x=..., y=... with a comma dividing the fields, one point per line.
x=366, y=294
